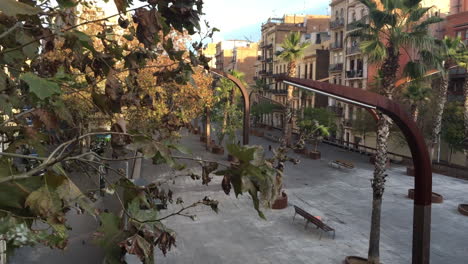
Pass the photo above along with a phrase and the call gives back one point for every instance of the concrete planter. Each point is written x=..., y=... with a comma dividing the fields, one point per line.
x=372, y=161
x=436, y=198
x=463, y=209
x=315, y=155
x=410, y=171
x=217, y=150
x=281, y=202
x=300, y=151
x=355, y=260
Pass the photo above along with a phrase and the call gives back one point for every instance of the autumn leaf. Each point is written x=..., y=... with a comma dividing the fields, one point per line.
x=43, y=202
x=137, y=245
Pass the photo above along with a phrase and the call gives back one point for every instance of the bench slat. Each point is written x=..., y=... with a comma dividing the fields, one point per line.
x=313, y=219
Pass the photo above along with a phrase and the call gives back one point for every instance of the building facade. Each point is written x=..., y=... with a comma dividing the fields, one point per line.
x=314, y=30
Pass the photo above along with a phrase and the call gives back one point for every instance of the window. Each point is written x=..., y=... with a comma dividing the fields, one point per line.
x=305, y=72
x=341, y=13
x=466, y=34
x=459, y=33
x=363, y=13
x=353, y=16
x=311, y=71
x=336, y=15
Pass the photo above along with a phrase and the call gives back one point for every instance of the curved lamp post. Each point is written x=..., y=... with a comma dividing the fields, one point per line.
x=421, y=159
x=245, y=97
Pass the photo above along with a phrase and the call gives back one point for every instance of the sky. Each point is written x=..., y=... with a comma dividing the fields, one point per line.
x=241, y=19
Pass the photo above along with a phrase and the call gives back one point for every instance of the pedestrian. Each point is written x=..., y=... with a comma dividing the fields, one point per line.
x=269, y=147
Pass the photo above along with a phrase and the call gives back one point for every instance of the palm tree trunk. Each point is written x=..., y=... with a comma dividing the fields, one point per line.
x=465, y=118
x=414, y=112
x=389, y=70
x=442, y=99
x=378, y=186
x=288, y=116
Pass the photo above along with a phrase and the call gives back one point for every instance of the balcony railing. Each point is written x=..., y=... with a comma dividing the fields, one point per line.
x=336, y=67
x=336, y=45
x=347, y=122
x=337, y=23
x=353, y=49
x=262, y=72
x=279, y=92
x=337, y=110
x=269, y=60
x=353, y=25
x=354, y=74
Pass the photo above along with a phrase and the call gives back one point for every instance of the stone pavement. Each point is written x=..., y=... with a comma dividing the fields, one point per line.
x=342, y=198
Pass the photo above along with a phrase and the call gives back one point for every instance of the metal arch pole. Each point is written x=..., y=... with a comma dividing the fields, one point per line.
x=415, y=139
x=246, y=99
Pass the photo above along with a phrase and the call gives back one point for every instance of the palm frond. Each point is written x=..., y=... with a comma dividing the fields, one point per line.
x=418, y=13
x=414, y=69
x=375, y=50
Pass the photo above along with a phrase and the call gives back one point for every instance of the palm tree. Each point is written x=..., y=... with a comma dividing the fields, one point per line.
x=395, y=26
x=293, y=50
x=417, y=93
x=447, y=57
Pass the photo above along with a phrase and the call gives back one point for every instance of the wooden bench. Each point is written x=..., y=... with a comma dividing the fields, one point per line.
x=310, y=218
x=341, y=164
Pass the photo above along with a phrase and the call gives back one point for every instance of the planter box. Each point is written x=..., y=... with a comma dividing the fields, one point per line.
x=281, y=202
x=463, y=209
x=435, y=198
x=300, y=151
x=372, y=161
x=315, y=155
x=217, y=150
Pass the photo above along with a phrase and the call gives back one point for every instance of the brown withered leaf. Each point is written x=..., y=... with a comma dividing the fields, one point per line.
x=114, y=89
x=148, y=26
x=137, y=245
x=46, y=118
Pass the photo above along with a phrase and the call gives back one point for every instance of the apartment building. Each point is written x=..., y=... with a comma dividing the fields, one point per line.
x=313, y=29
x=210, y=52
x=348, y=66
x=457, y=20
x=243, y=60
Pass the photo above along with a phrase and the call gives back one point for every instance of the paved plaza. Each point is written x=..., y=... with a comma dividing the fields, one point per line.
x=341, y=197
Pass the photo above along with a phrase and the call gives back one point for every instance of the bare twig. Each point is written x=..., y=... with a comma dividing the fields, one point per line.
x=17, y=116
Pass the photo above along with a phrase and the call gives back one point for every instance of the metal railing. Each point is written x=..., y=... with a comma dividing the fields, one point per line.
x=354, y=74
x=336, y=67
x=336, y=45
x=352, y=25
x=337, y=23
x=353, y=49
x=337, y=110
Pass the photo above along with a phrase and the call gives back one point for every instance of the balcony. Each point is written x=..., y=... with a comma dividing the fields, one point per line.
x=336, y=45
x=269, y=73
x=279, y=92
x=262, y=72
x=337, y=23
x=269, y=60
x=347, y=122
x=354, y=74
x=337, y=110
x=336, y=67
x=353, y=25
x=353, y=50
